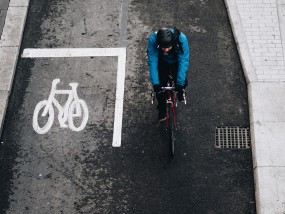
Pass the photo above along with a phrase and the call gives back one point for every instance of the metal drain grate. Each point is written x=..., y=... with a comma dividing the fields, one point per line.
x=232, y=138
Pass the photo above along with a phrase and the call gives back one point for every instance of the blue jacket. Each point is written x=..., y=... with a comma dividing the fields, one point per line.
x=182, y=59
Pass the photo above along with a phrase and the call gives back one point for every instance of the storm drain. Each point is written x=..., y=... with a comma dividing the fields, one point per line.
x=232, y=138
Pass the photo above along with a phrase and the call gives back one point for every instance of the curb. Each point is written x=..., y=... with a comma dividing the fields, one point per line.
x=250, y=76
x=253, y=147
x=239, y=35
x=10, y=44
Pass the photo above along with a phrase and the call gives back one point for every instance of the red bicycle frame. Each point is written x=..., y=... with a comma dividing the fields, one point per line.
x=171, y=103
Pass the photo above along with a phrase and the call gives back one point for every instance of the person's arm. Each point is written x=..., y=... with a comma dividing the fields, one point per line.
x=152, y=53
x=183, y=61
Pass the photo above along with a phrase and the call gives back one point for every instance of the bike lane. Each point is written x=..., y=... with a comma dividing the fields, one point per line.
x=50, y=173
x=80, y=172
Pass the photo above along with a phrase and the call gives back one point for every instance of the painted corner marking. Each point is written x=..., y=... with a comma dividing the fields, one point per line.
x=87, y=52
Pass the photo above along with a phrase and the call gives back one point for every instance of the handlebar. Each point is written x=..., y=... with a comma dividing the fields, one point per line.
x=168, y=88
x=153, y=94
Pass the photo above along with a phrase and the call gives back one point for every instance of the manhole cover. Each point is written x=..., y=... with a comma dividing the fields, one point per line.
x=232, y=138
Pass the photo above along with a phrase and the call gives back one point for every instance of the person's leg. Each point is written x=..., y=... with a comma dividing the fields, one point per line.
x=161, y=106
x=163, y=69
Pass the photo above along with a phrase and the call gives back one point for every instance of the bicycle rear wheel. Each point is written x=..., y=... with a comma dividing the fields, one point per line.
x=171, y=128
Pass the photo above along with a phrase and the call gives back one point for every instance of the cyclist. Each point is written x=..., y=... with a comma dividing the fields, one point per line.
x=168, y=51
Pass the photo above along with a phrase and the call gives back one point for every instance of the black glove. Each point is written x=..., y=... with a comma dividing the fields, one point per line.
x=181, y=93
x=157, y=88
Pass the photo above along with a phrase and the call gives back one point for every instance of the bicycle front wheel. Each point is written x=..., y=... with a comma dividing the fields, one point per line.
x=171, y=128
x=41, y=124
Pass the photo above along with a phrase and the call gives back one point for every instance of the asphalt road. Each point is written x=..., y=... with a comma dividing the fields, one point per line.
x=64, y=171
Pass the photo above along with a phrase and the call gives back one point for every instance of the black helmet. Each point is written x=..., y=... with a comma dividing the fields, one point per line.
x=164, y=38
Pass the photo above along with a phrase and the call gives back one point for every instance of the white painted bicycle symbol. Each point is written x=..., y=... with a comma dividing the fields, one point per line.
x=74, y=108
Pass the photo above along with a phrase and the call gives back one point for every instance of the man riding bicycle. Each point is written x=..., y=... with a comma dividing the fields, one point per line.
x=168, y=53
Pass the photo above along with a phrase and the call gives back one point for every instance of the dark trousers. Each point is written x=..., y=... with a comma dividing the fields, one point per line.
x=164, y=70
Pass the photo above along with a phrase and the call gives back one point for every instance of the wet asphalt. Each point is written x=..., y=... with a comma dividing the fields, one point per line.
x=80, y=172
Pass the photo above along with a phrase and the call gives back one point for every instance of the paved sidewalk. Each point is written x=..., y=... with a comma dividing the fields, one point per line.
x=12, y=20
x=259, y=30
x=3, y=96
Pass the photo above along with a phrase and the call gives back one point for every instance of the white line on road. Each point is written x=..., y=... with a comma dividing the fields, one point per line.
x=88, y=52
x=71, y=52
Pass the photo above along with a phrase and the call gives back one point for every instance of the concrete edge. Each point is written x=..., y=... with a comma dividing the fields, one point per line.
x=19, y=3
x=253, y=147
x=14, y=27
x=8, y=60
x=3, y=106
x=22, y=5
x=257, y=192
x=281, y=17
x=240, y=38
x=251, y=77
x=252, y=123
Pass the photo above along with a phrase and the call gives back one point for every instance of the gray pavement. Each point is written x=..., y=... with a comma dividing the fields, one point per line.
x=12, y=26
x=259, y=30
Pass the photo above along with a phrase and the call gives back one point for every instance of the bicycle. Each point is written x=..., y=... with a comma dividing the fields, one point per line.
x=171, y=104
x=65, y=113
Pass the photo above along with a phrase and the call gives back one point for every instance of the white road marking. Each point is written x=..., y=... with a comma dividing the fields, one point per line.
x=71, y=52
x=117, y=134
x=65, y=113
x=88, y=52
